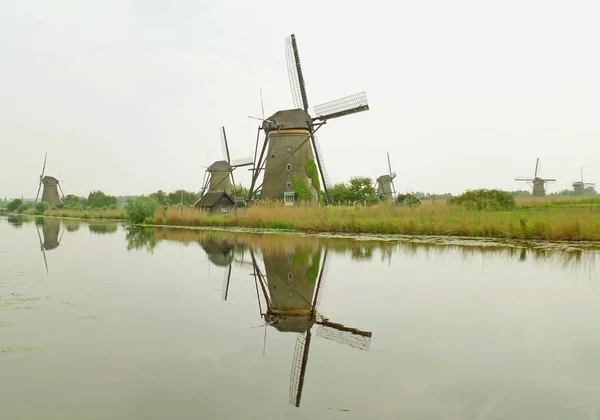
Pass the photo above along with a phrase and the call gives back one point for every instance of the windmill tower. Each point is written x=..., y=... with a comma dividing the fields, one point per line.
x=50, y=231
x=219, y=175
x=51, y=188
x=537, y=183
x=579, y=186
x=385, y=184
x=291, y=286
x=292, y=169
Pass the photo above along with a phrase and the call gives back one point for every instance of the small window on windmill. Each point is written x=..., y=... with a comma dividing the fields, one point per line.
x=291, y=293
x=289, y=185
x=290, y=259
x=289, y=149
x=289, y=166
x=290, y=276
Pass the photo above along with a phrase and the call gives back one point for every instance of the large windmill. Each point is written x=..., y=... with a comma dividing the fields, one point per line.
x=537, y=183
x=219, y=175
x=287, y=160
x=579, y=186
x=385, y=184
x=291, y=287
x=50, y=231
x=51, y=185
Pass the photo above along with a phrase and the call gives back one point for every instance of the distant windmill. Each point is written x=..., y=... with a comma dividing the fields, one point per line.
x=50, y=231
x=286, y=157
x=385, y=184
x=219, y=175
x=51, y=185
x=579, y=186
x=537, y=183
x=291, y=288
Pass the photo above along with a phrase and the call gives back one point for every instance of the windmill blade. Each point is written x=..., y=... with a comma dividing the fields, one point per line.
x=226, y=278
x=389, y=163
x=44, y=167
x=581, y=171
x=549, y=180
x=42, y=248
x=524, y=179
x=393, y=186
x=61, y=235
x=327, y=186
x=61, y=192
x=537, y=162
x=247, y=161
x=224, y=145
x=299, y=361
x=262, y=105
x=344, y=335
x=38, y=192
x=343, y=106
x=295, y=73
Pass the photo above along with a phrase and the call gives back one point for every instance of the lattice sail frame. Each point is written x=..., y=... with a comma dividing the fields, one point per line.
x=350, y=338
x=344, y=106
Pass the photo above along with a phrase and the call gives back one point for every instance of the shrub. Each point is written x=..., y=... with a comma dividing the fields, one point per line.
x=484, y=199
x=14, y=204
x=41, y=207
x=140, y=209
x=24, y=207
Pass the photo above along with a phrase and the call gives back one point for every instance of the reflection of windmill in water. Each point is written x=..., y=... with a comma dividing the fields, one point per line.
x=291, y=286
x=50, y=232
x=223, y=254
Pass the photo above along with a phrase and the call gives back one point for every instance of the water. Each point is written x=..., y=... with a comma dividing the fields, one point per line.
x=146, y=324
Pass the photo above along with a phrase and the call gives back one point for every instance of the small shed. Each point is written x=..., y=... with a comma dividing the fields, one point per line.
x=215, y=201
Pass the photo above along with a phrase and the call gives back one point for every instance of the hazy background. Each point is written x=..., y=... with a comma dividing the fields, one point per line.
x=128, y=96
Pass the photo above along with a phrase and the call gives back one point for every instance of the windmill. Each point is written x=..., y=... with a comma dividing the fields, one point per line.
x=51, y=187
x=286, y=159
x=579, y=186
x=50, y=231
x=385, y=184
x=291, y=287
x=537, y=183
x=219, y=175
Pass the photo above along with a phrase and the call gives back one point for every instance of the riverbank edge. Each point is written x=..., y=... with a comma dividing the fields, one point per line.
x=562, y=245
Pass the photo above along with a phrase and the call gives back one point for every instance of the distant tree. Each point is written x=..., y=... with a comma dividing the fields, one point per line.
x=239, y=191
x=72, y=201
x=340, y=193
x=590, y=191
x=41, y=207
x=160, y=197
x=98, y=199
x=179, y=196
x=14, y=204
x=484, y=199
x=520, y=193
x=362, y=190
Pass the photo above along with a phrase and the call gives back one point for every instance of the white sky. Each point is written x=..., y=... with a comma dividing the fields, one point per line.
x=128, y=96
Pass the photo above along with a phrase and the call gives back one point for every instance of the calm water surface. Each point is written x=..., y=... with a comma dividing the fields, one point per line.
x=106, y=322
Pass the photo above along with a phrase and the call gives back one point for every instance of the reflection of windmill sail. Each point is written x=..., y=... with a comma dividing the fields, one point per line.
x=292, y=288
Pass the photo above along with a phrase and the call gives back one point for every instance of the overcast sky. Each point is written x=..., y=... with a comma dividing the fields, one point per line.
x=128, y=96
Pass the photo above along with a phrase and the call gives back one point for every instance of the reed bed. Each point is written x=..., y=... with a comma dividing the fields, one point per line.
x=563, y=223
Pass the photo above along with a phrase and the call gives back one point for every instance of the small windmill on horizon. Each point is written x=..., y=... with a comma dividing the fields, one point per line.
x=579, y=186
x=537, y=183
x=385, y=184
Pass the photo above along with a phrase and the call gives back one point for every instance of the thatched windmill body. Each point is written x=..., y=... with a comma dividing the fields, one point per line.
x=385, y=184
x=579, y=186
x=219, y=175
x=50, y=193
x=290, y=158
x=537, y=183
x=291, y=287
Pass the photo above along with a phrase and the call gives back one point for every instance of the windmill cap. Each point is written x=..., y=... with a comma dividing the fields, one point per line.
x=292, y=118
x=220, y=166
x=50, y=180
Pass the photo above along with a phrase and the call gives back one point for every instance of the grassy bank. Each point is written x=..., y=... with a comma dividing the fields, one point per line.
x=531, y=221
